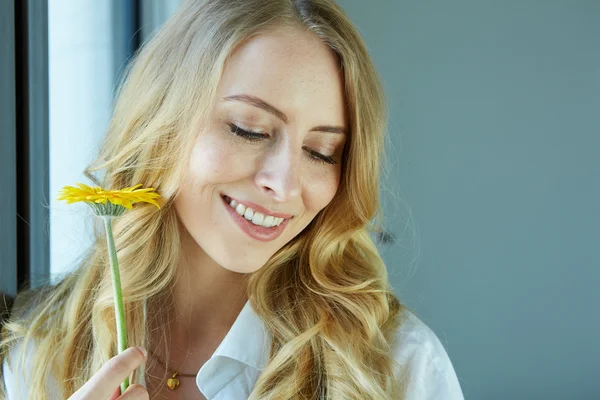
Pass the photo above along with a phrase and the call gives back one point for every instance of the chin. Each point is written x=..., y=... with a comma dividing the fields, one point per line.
x=241, y=265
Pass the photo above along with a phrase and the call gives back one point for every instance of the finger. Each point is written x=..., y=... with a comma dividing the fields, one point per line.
x=103, y=383
x=135, y=392
x=115, y=395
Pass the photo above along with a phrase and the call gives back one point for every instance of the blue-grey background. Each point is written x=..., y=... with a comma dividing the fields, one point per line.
x=492, y=187
x=493, y=191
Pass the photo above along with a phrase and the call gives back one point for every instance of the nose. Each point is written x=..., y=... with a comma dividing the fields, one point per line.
x=278, y=176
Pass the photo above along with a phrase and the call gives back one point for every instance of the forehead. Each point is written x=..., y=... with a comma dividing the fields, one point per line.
x=291, y=69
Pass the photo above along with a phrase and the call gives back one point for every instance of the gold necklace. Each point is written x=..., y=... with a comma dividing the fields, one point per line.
x=172, y=382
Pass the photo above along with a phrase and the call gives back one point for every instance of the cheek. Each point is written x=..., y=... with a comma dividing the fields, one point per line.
x=206, y=159
x=320, y=189
x=215, y=159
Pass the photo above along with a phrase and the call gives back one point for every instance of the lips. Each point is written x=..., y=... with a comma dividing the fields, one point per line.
x=258, y=207
x=257, y=232
x=250, y=214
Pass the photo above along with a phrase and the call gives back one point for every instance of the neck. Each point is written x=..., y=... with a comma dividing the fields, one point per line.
x=207, y=299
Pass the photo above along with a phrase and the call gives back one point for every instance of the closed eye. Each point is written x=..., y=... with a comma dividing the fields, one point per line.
x=246, y=134
x=252, y=136
x=318, y=157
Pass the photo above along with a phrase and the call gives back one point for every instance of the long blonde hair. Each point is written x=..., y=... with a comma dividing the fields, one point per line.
x=325, y=296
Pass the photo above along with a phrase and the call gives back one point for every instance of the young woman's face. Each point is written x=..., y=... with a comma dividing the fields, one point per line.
x=270, y=158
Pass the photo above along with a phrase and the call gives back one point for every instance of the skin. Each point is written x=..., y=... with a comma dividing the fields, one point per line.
x=294, y=72
x=297, y=74
x=105, y=383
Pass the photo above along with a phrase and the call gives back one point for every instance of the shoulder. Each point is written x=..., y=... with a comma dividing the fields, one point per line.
x=423, y=367
x=15, y=367
x=18, y=360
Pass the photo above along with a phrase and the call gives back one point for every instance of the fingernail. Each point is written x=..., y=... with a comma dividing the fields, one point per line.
x=144, y=352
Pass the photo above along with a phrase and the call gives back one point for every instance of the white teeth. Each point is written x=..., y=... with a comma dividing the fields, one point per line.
x=268, y=222
x=258, y=218
x=255, y=217
x=240, y=209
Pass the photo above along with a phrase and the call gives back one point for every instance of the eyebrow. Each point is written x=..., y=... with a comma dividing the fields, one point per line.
x=263, y=105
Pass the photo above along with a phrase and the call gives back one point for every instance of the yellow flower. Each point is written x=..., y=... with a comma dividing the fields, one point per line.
x=108, y=202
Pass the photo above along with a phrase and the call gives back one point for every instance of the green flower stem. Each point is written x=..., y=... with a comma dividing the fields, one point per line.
x=118, y=294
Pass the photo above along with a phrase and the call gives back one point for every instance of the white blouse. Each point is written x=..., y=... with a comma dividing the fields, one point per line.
x=233, y=369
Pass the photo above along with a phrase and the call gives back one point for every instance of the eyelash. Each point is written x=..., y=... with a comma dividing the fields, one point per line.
x=257, y=136
x=248, y=135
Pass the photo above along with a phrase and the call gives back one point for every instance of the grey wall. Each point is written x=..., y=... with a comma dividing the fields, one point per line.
x=8, y=156
x=494, y=115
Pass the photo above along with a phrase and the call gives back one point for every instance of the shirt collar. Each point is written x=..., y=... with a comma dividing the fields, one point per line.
x=248, y=340
x=239, y=359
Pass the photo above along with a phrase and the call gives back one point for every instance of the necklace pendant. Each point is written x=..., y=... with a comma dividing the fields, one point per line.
x=173, y=382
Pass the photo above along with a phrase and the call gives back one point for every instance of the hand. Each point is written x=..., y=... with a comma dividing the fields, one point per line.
x=105, y=384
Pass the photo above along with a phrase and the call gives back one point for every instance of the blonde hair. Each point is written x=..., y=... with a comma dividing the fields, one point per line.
x=325, y=296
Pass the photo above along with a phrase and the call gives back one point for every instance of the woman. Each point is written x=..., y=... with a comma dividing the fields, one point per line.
x=260, y=122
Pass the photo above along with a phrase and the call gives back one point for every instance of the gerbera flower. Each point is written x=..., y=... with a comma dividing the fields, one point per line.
x=109, y=204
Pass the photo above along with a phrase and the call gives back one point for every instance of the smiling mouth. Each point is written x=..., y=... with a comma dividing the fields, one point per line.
x=257, y=225
x=255, y=217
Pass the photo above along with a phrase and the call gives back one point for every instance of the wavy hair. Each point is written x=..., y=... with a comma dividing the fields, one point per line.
x=324, y=296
